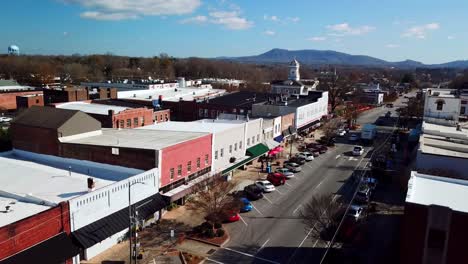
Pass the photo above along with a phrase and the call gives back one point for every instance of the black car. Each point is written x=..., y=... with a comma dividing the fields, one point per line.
x=253, y=192
x=298, y=160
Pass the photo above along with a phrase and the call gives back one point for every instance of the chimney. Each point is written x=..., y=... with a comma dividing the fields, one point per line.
x=91, y=184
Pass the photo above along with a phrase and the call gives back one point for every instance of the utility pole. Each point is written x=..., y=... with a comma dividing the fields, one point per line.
x=130, y=221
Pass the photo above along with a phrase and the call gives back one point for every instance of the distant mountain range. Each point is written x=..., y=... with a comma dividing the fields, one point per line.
x=330, y=57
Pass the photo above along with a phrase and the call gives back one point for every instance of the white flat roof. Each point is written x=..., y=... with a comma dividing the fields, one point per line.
x=444, y=141
x=427, y=189
x=206, y=125
x=99, y=109
x=16, y=88
x=37, y=182
x=137, y=138
x=171, y=94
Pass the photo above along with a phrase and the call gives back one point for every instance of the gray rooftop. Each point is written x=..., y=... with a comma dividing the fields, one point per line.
x=89, y=108
x=137, y=138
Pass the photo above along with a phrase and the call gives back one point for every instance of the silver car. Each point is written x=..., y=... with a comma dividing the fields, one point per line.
x=286, y=172
x=294, y=167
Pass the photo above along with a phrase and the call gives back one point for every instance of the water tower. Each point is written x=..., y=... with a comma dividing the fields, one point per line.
x=13, y=50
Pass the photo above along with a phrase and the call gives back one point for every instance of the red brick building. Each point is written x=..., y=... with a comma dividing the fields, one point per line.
x=434, y=227
x=8, y=99
x=27, y=101
x=75, y=94
x=38, y=129
x=40, y=238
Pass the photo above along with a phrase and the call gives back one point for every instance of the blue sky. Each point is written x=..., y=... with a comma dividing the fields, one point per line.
x=429, y=31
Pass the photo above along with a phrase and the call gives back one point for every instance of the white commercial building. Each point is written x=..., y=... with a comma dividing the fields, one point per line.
x=33, y=182
x=442, y=104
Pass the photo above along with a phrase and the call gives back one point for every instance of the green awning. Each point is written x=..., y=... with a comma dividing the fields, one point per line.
x=237, y=165
x=257, y=150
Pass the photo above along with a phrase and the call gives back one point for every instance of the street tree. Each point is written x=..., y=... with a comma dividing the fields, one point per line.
x=320, y=214
x=337, y=89
x=329, y=129
x=213, y=199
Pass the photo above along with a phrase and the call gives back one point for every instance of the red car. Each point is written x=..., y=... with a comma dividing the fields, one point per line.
x=233, y=217
x=276, y=178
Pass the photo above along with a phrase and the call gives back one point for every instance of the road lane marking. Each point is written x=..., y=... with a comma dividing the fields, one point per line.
x=212, y=260
x=256, y=209
x=279, y=191
x=288, y=184
x=243, y=220
x=263, y=245
x=338, y=156
x=295, y=210
x=267, y=199
x=252, y=256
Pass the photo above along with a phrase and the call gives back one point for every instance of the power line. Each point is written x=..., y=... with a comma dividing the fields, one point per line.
x=354, y=194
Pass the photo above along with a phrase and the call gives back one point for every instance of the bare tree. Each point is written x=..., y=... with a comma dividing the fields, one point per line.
x=212, y=198
x=320, y=214
x=329, y=128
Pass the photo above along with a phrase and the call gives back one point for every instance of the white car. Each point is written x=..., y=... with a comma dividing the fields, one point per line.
x=265, y=185
x=287, y=173
x=5, y=119
x=358, y=150
x=341, y=132
x=355, y=211
x=354, y=137
x=293, y=167
x=305, y=155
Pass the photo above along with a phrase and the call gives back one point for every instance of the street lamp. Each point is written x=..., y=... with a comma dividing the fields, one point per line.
x=130, y=224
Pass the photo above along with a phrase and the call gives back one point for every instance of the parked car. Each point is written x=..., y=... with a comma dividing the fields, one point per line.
x=314, y=151
x=246, y=206
x=341, y=132
x=371, y=182
x=5, y=119
x=363, y=195
x=305, y=155
x=318, y=147
x=253, y=192
x=265, y=186
x=276, y=178
x=358, y=150
x=355, y=211
x=298, y=160
x=389, y=105
x=388, y=114
x=232, y=217
x=353, y=137
x=292, y=166
x=286, y=172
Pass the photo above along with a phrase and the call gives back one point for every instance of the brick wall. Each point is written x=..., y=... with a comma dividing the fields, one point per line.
x=287, y=121
x=34, y=139
x=162, y=116
x=30, y=231
x=414, y=235
x=143, y=159
x=132, y=115
x=181, y=154
x=8, y=100
x=28, y=101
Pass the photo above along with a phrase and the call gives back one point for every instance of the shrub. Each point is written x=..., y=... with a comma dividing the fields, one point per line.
x=172, y=206
x=220, y=232
x=198, y=229
x=209, y=233
x=217, y=225
x=207, y=225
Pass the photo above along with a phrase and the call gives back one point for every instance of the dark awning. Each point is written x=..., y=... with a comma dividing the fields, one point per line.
x=311, y=124
x=279, y=138
x=54, y=250
x=103, y=228
x=257, y=150
x=238, y=164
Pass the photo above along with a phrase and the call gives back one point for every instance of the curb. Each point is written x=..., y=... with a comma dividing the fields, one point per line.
x=210, y=243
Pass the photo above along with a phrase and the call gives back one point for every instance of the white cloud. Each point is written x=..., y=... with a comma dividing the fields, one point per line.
x=131, y=9
x=317, y=38
x=450, y=37
x=294, y=19
x=195, y=20
x=421, y=31
x=269, y=32
x=230, y=20
x=343, y=29
x=392, y=46
x=271, y=18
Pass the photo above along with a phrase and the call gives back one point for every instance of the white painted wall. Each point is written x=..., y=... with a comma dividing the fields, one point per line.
x=254, y=133
x=311, y=112
x=450, y=109
x=224, y=140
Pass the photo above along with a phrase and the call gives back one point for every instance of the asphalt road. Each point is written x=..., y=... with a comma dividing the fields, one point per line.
x=273, y=231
